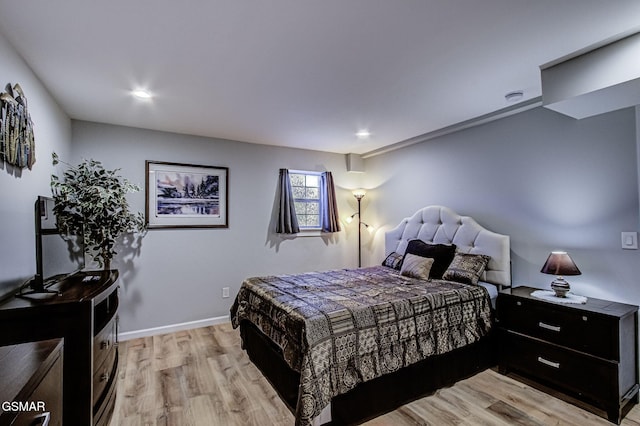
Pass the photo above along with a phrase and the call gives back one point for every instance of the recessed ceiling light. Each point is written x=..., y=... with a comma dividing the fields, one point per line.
x=363, y=134
x=141, y=94
x=514, y=96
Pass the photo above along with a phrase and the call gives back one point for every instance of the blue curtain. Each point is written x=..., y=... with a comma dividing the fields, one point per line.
x=329, y=215
x=287, y=220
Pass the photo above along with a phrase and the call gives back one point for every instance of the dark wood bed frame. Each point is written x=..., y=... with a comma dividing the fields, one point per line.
x=376, y=397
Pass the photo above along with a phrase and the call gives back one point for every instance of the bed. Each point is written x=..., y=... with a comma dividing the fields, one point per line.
x=343, y=346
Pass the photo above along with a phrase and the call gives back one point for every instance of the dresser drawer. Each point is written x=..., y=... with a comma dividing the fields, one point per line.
x=102, y=413
x=47, y=394
x=104, y=342
x=104, y=374
x=31, y=383
x=583, y=331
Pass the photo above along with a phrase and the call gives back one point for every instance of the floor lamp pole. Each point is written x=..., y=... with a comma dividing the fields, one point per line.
x=359, y=193
x=359, y=235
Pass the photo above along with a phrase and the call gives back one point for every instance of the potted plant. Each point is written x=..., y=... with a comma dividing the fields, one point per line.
x=91, y=200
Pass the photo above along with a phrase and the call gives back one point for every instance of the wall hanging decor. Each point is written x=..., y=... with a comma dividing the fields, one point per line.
x=17, y=145
x=186, y=195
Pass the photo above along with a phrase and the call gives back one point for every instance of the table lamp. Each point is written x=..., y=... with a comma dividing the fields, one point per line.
x=559, y=263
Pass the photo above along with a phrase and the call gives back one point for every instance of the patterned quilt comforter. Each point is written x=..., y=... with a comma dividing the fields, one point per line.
x=339, y=328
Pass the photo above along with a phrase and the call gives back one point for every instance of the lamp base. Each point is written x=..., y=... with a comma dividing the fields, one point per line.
x=560, y=286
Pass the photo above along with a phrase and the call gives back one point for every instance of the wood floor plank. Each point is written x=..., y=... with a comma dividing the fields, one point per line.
x=203, y=377
x=199, y=411
x=529, y=400
x=139, y=392
x=512, y=415
x=169, y=388
x=467, y=390
x=471, y=411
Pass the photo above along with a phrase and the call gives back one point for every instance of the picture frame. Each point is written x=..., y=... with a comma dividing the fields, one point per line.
x=186, y=195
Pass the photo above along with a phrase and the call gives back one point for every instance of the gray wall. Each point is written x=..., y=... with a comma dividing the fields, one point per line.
x=20, y=188
x=177, y=275
x=548, y=181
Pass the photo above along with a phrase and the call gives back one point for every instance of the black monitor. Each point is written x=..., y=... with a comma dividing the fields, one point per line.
x=57, y=255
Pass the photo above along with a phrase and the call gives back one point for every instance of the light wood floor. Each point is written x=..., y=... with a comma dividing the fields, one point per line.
x=203, y=377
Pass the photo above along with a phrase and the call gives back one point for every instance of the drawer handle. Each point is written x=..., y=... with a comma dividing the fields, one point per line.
x=105, y=344
x=104, y=377
x=549, y=363
x=549, y=327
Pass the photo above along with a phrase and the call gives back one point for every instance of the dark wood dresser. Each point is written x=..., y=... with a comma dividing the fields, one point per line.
x=85, y=315
x=31, y=378
x=588, y=352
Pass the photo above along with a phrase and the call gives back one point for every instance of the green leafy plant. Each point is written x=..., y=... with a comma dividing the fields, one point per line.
x=92, y=200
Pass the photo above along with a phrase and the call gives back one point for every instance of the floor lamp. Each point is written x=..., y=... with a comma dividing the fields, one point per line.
x=359, y=194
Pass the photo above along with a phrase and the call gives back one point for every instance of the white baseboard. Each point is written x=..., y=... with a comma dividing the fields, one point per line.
x=128, y=335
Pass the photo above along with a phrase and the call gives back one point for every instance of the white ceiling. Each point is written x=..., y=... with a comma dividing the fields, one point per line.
x=300, y=73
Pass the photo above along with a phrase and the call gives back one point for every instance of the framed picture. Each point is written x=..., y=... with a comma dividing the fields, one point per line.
x=186, y=196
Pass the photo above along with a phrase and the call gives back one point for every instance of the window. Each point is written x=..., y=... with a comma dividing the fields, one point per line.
x=306, y=196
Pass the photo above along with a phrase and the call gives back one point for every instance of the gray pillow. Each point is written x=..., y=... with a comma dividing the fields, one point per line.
x=416, y=266
x=466, y=268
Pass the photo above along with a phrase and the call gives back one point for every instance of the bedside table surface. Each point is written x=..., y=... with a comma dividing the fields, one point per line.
x=599, y=306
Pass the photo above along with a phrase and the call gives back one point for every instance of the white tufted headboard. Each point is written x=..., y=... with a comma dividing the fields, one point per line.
x=438, y=224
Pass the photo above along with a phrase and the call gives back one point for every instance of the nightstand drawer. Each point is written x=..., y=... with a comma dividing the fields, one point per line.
x=579, y=330
x=578, y=374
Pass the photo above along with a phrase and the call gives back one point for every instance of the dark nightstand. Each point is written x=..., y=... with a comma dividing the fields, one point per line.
x=588, y=352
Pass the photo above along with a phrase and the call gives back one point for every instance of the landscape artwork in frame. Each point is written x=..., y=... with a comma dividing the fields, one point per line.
x=186, y=195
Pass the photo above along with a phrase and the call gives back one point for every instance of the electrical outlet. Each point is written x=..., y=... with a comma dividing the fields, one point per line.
x=630, y=240
x=225, y=292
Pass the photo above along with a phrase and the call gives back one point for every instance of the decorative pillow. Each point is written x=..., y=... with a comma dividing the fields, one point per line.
x=466, y=268
x=442, y=255
x=416, y=266
x=394, y=260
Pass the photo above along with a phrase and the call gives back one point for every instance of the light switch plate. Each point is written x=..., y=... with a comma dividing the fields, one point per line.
x=630, y=240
